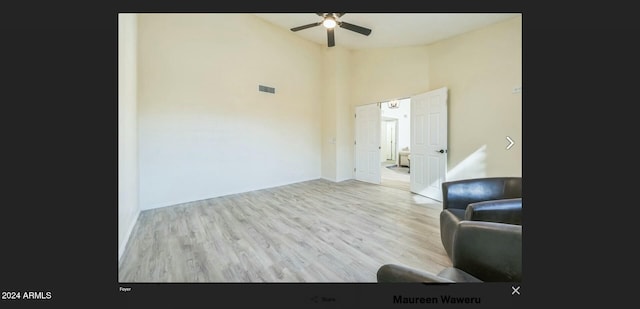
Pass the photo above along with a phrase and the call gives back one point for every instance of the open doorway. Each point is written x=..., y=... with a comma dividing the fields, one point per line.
x=423, y=150
x=395, y=140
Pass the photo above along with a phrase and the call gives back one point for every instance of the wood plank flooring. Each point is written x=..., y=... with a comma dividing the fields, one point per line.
x=314, y=231
x=393, y=179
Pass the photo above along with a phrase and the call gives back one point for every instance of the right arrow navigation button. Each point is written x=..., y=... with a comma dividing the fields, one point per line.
x=510, y=143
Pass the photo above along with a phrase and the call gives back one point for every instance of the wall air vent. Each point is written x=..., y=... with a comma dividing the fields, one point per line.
x=266, y=89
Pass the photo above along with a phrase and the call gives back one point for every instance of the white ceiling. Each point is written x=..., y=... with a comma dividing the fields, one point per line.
x=388, y=30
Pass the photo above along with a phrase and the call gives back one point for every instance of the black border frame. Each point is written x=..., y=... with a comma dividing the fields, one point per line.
x=60, y=142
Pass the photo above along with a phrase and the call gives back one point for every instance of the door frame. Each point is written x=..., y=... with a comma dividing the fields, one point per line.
x=445, y=89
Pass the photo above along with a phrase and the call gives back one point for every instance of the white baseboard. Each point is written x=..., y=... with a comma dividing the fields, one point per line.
x=192, y=199
x=337, y=180
x=344, y=179
x=123, y=246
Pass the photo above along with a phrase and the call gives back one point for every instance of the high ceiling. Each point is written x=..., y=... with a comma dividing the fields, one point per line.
x=388, y=30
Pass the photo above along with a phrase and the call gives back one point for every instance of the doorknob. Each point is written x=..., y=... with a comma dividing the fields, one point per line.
x=441, y=151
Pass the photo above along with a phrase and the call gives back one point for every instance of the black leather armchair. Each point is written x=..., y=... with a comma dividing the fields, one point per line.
x=493, y=199
x=482, y=252
x=481, y=230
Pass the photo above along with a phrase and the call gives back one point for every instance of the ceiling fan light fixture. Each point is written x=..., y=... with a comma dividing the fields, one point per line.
x=329, y=23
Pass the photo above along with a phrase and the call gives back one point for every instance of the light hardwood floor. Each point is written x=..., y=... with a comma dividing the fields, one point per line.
x=393, y=179
x=314, y=231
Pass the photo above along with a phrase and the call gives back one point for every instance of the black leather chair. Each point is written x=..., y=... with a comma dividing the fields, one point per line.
x=481, y=231
x=492, y=199
x=482, y=252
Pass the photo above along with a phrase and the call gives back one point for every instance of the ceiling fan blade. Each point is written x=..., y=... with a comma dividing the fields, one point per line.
x=352, y=27
x=306, y=26
x=339, y=14
x=331, y=40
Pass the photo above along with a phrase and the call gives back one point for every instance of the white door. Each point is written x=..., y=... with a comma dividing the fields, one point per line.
x=391, y=139
x=367, y=143
x=384, y=152
x=428, y=159
x=388, y=141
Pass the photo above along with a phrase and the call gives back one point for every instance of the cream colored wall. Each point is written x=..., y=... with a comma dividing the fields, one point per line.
x=329, y=116
x=345, y=123
x=128, y=209
x=204, y=129
x=481, y=68
x=389, y=73
x=337, y=142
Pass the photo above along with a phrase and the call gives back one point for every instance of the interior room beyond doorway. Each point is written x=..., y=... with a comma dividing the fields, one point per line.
x=395, y=127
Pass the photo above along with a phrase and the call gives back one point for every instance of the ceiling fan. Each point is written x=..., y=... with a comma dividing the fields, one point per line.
x=329, y=21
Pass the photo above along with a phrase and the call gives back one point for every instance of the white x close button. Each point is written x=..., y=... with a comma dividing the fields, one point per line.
x=516, y=290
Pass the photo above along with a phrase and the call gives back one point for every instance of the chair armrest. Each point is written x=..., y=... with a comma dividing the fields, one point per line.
x=503, y=211
x=399, y=273
x=489, y=251
x=460, y=193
